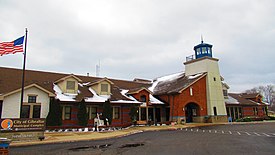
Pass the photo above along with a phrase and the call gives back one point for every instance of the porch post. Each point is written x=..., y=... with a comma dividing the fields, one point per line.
x=139, y=113
x=146, y=114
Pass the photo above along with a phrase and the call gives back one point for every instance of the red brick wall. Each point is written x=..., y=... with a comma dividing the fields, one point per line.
x=178, y=101
x=248, y=111
x=123, y=120
x=143, y=92
x=1, y=104
x=73, y=121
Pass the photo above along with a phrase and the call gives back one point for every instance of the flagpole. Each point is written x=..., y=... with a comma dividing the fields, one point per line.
x=23, y=74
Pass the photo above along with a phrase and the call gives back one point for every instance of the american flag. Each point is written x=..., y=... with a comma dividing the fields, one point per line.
x=12, y=47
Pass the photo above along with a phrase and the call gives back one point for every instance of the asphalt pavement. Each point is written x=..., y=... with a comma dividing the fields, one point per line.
x=246, y=138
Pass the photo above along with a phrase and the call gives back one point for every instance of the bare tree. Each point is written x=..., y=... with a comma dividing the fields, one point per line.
x=267, y=92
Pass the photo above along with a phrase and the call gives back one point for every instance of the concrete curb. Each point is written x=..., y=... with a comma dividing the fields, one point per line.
x=52, y=138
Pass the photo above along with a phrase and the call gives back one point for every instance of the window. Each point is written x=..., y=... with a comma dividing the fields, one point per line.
x=225, y=93
x=198, y=51
x=255, y=110
x=67, y=112
x=191, y=91
x=92, y=111
x=116, y=112
x=31, y=99
x=143, y=98
x=25, y=111
x=104, y=87
x=36, y=111
x=70, y=85
x=214, y=79
x=203, y=50
x=215, y=111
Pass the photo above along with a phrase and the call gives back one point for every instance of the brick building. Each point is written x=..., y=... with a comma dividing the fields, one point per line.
x=196, y=95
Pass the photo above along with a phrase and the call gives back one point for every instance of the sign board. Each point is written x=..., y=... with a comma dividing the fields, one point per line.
x=23, y=124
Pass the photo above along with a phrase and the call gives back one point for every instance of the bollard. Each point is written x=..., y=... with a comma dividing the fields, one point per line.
x=4, y=146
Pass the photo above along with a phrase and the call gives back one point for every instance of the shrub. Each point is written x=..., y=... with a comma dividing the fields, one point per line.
x=250, y=119
x=54, y=117
x=133, y=113
x=107, y=112
x=82, y=115
x=271, y=117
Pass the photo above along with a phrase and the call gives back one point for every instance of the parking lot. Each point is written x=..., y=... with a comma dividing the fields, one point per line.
x=258, y=138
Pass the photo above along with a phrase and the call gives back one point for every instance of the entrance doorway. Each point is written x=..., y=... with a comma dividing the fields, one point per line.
x=191, y=111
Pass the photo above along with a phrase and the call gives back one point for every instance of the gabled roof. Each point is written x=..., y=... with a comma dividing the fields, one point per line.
x=137, y=90
x=10, y=80
x=27, y=87
x=250, y=96
x=100, y=80
x=241, y=99
x=69, y=76
x=176, y=84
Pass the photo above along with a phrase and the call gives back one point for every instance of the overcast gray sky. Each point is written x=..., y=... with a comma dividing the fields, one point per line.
x=143, y=38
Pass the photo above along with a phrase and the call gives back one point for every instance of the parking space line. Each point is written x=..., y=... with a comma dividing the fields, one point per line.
x=209, y=131
x=202, y=130
x=215, y=131
x=257, y=134
x=239, y=133
x=230, y=132
x=248, y=133
x=197, y=130
x=266, y=134
x=191, y=129
x=222, y=131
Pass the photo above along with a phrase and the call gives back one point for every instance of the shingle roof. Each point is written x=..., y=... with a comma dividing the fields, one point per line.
x=249, y=96
x=176, y=85
x=242, y=99
x=10, y=80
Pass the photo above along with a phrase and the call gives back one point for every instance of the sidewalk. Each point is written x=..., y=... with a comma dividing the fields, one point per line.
x=60, y=137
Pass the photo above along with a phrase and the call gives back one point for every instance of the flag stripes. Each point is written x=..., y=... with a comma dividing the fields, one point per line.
x=12, y=47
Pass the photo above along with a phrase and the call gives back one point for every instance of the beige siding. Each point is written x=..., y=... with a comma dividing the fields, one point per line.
x=214, y=87
x=63, y=85
x=11, y=103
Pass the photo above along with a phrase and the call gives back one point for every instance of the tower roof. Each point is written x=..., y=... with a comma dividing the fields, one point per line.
x=202, y=45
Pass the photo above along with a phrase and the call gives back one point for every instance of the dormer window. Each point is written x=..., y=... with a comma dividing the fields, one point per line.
x=104, y=87
x=143, y=98
x=70, y=85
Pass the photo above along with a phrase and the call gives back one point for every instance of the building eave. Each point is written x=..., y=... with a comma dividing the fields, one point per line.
x=192, y=83
x=26, y=87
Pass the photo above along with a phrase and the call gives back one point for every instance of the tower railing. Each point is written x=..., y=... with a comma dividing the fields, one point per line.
x=189, y=58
